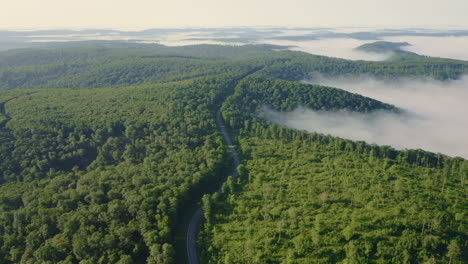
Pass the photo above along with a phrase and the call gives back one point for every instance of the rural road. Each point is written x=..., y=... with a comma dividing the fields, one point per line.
x=4, y=113
x=3, y=110
x=192, y=229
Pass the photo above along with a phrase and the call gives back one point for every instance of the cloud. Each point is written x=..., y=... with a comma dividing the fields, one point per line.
x=435, y=116
x=332, y=47
x=445, y=47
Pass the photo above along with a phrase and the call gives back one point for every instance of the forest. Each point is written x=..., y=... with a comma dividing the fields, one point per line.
x=104, y=147
x=310, y=198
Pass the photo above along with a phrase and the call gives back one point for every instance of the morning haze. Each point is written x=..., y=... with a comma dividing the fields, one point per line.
x=433, y=118
x=139, y=14
x=248, y=131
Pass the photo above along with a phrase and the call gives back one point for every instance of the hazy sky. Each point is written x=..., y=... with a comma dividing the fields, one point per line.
x=139, y=14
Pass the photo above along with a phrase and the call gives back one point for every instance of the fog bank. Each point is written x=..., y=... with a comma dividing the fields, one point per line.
x=333, y=47
x=435, y=118
x=454, y=47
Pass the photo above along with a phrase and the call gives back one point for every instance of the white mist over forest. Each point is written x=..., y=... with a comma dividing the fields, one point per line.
x=435, y=116
x=333, y=42
x=333, y=47
x=452, y=47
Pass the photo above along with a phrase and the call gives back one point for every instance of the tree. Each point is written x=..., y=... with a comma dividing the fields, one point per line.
x=453, y=251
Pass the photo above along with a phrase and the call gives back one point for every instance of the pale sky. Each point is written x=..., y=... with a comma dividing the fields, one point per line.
x=141, y=14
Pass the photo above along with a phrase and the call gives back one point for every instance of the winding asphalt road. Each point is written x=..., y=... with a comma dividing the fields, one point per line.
x=3, y=110
x=4, y=113
x=192, y=229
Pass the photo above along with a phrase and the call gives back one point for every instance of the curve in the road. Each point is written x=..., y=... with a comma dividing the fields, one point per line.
x=192, y=229
x=4, y=113
x=3, y=110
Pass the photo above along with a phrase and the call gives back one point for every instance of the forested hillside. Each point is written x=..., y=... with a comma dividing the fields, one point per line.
x=111, y=64
x=99, y=175
x=104, y=145
x=308, y=198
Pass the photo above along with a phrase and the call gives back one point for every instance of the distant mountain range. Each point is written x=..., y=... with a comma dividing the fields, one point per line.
x=242, y=35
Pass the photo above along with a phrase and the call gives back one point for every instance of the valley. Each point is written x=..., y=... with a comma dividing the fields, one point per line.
x=105, y=147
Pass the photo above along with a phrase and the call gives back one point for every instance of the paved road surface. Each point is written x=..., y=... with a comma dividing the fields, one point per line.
x=4, y=113
x=192, y=229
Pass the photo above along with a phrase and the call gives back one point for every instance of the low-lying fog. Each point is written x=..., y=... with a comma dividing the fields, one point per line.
x=334, y=42
x=436, y=116
x=333, y=47
x=444, y=47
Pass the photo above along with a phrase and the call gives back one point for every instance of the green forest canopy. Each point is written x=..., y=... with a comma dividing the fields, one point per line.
x=101, y=175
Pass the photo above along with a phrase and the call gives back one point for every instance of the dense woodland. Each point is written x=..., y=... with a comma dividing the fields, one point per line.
x=104, y=145
x=97, y=176
x=309, y=198
x=110, y=64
